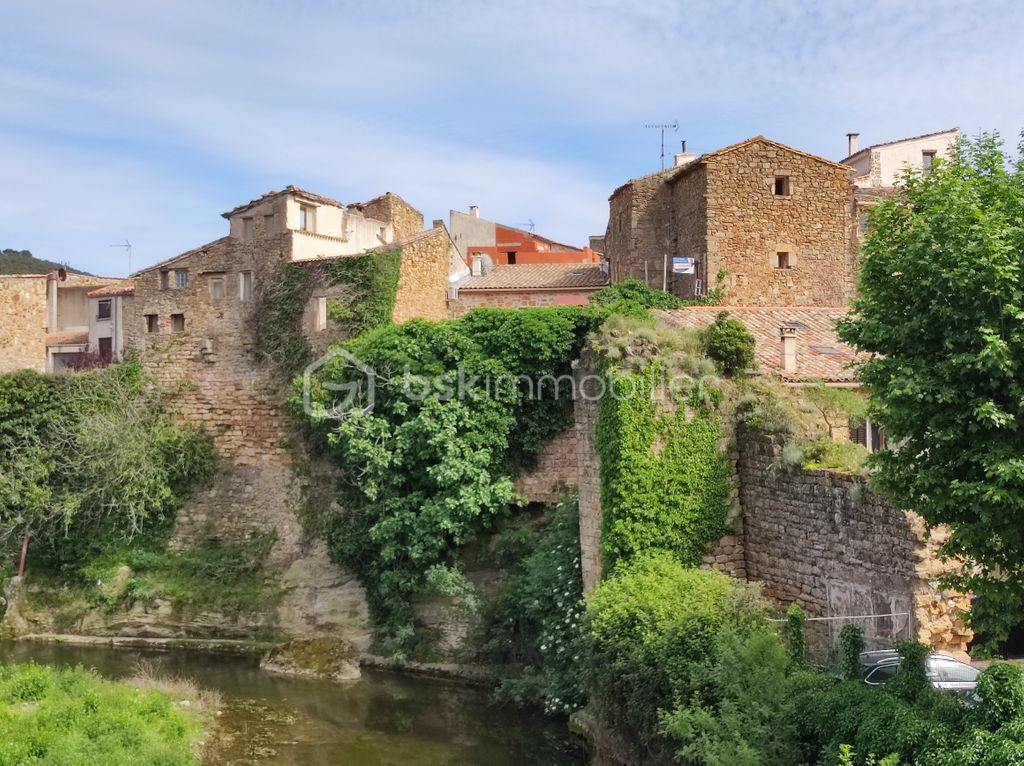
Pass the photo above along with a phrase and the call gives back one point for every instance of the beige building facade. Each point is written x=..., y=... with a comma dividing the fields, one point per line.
x=883, y=165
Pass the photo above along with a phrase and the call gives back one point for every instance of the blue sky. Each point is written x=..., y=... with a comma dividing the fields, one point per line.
x=145, y=121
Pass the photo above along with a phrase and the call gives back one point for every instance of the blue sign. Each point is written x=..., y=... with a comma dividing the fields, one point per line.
x=681, y=265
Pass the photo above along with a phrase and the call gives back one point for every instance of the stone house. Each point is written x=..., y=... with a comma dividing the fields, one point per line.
x=108, y=307
x=508, y=245
x=526, y=286
x=777, y=223
x=45, y=319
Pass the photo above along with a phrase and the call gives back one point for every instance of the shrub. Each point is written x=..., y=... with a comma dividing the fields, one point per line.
x=851, y=644
x=631, y=297
x=650, y=626
x=796, y=638
x=848, y=457
x=1001, y=688
x=535, y=624
x=730, y=344
x=911, y=680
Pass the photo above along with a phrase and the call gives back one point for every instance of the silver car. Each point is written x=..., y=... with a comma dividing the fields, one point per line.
x=946, y=673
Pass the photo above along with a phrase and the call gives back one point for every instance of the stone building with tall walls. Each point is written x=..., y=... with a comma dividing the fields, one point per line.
x=777, y=223
x=883, y=165
x=45, y=319
x=192, y=321
x=509, y=245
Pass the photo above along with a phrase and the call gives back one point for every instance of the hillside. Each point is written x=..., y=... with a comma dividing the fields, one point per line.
x=23, y=262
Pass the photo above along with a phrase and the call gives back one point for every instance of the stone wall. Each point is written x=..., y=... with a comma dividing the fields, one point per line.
x=22, y=322
x=588, y=466
x=515, y=299
x=825, y=541
x=405, y=220
x=423, y=278
x=555, y=476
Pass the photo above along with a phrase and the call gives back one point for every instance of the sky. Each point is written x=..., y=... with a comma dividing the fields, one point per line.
x=143, y=121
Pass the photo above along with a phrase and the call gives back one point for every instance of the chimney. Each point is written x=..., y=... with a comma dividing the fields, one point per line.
x=478, y=265
x=438, y=223
x=684, y=157
x=852, y=143
x=474, y=211
x=788, y=335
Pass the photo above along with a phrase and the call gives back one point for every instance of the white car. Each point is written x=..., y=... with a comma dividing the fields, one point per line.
x=946, y=673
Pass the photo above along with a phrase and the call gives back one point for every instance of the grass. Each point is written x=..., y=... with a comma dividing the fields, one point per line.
x=72, y=717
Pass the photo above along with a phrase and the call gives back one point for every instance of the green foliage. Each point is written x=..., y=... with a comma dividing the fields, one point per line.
x=373, y=281
x=650, y=626
x=796, y=638
x=73, y=718
x=745, y=716
x=280, y=342
x=535, y=623
x=849, y=758
x=730, y=344
x=635, y=298
x=23, y=262
x=911, y=680
x=428, y=469
x=90, y=460
x=664, y=482
x=823, y=452
x=837, y=407
x=851, y=644
x=1001, y=688
x=940, y=311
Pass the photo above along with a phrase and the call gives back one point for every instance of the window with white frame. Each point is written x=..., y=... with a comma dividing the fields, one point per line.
x=245, y=285
x=307, y=218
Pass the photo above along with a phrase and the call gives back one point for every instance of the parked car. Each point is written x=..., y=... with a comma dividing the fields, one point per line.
x=946, y=673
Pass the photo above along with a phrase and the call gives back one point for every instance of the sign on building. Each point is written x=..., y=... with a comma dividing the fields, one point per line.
x=683, y=265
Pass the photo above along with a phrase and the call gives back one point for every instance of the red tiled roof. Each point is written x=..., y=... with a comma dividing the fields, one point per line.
x=66, y=338
x=540, y=276
x=124, y=287
x=819, y=352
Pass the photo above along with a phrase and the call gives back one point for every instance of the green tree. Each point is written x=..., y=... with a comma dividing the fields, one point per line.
x=730, y=344
x=941, y=312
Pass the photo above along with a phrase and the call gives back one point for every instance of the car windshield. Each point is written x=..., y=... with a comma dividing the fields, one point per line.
x=882, y=674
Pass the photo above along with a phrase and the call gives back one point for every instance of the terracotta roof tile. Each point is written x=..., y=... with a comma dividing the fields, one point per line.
x=124, y=287
x=540, y=276
x=819, y=352
x=67, y=338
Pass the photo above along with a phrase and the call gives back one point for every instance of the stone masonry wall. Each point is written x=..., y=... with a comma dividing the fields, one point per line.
x=514, y=299
x=589, y=472
x=747, y=224
x=556, y=473
x=405, y=220
x=23, y=324
x=825, y=541
x=423, y=278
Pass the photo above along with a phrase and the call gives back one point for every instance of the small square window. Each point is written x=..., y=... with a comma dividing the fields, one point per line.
x=217, y=287
x=151, y=323
x=245, y=285
x=783, y=187
x=782, y=260
x=248, y=228
x=177, y=323
x=165, y=279
x=269, y=226
x=511, y=259
x=180, y=279
x=103, y=309
x=927, y=160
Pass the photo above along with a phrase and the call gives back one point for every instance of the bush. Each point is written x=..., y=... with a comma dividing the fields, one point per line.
x=851, y=644
x=72, y=717
x=848, y=457
x=730, y=344
x=796, y=638
x=1001, y=688
x=651, y=625
x=535, y=624
x=631, y=297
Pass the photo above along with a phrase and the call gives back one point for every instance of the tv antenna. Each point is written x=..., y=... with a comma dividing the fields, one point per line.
x=673, y=126
x=128, y=249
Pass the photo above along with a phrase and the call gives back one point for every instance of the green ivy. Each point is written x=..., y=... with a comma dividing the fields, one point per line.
x=664, y=482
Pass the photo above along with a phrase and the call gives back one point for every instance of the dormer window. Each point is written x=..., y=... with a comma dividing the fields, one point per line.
x=307, y=217
x=783, y=186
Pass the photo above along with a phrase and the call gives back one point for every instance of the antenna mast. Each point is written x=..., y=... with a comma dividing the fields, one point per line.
x=128, y=249
x=673, y=126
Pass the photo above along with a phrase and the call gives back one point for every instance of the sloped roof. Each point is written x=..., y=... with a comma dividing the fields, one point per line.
x=289, y=189
x=124, y=287
x=671, y=174
x=820, y=354
x=866, y=149
x=66, y=338
x=181, y=256
x=540, y=276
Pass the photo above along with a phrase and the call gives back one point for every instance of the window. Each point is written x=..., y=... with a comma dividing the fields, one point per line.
x=511, y=259
x=881, y=674
x=216, y=287
x=321, y=314
x=103, y=309
x=867, y=434
x=783, y=187
x=245, y=285
x=950, y=671
x=927, y=160
x=165, y=277
x=177, y=323
x=782, y=260
x=863, y=219
x=151, y=323
x=248, y=228
x=269, y=226
x=180, y=279
x=306, y=216
x=106, y=348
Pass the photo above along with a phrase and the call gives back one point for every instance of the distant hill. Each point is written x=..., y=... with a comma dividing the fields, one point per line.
x=23, y=262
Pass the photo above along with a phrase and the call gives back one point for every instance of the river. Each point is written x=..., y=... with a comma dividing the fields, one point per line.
x=383, y=719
